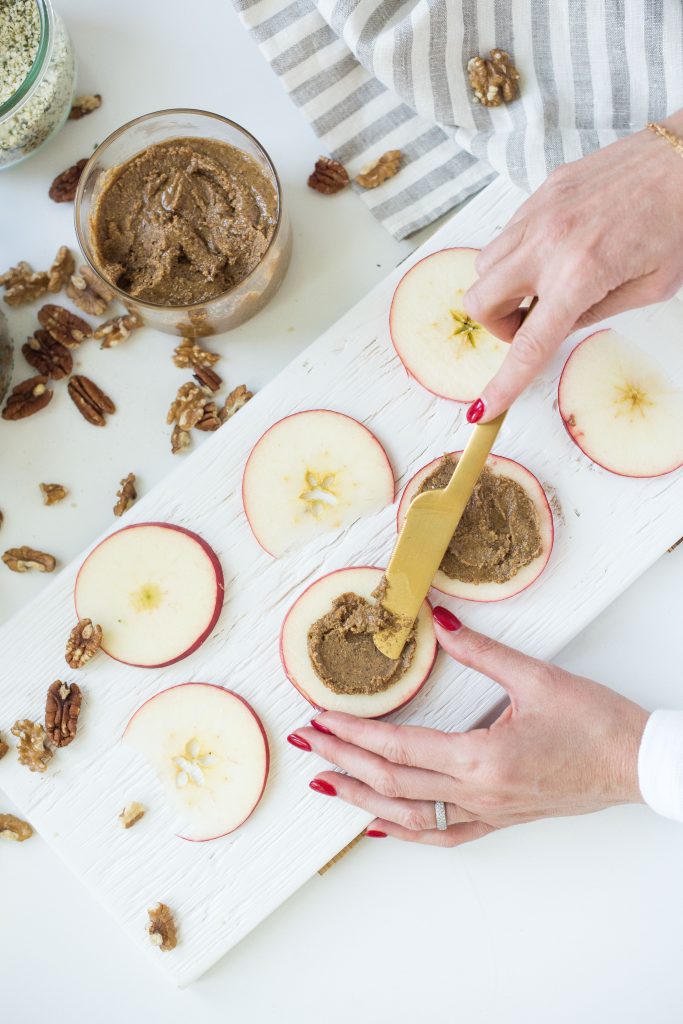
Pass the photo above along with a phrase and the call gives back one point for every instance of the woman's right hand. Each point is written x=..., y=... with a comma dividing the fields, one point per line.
x=602, y=235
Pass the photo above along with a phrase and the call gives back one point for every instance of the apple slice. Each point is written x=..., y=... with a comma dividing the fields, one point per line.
x=526, y=575
x=620, y=409
x=156, y=590
x=311, y=473
x=315, y=602
x=210, y=752
x=440, y=346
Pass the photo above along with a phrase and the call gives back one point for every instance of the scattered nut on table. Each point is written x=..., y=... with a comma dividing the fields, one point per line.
x=63, y=188
x=3, y=747
x=61, y=270
x=22, y=284
x=328, y=176
x=90, y=400
x=24, y=558
x=49, y=357
x=14, y=828
x=85, y=640
x=89, y=293
x=494, y=80
x=162, y=928
x=64, y=326
x=53, y=493
x=27, y=398
x=84, y=105
x=126, y=495
x=189, y=353
x=112, y=332
x=234, y=402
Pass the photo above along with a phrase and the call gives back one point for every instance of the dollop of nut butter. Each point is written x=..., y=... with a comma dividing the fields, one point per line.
x=183, y=221
x=499, y=531
x=342, y=650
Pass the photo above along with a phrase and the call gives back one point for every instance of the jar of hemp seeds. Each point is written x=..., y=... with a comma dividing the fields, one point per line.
x=37, y=77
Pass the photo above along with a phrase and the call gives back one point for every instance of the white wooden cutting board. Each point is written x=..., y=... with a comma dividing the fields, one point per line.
x=609, y=530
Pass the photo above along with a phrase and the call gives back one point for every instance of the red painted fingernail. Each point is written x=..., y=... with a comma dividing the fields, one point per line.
x=299, y=741
x=475, y=411
x=374, y=833
x=320, y=727
x=320, y=786
x=446, y=619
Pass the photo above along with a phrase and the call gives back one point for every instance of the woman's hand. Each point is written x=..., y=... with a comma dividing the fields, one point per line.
x=564, y=745
x=601, y=235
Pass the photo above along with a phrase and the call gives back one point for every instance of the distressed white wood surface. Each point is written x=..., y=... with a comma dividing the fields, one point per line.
x=609, y=531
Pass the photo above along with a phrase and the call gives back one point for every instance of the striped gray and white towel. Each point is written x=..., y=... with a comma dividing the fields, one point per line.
x=373, y=75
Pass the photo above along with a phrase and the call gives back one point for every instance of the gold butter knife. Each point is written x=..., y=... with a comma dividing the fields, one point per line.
x=431, y=521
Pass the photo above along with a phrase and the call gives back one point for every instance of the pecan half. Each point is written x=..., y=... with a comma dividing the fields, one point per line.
x=14, y=828
x=62, y=708
x=24, y=558
x=84, y=105
x=162, y=929
x=63, y=188
x=381, y=170
x=27, y=398
x=22, y=284
x=126, y=495
x=31, y=747
x=112, y=332
x=63, y=325
x=53, y=493
x=328, y=176
x=210, y=418
x=88, y=292
x=494, y=80
x=131, y=814
x=234, y=402
x=83, y=643
x=90, y=400
x=49, y=357
x=207, y=378
x=61, y=270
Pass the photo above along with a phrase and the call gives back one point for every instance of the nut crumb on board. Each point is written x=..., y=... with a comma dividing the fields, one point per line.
x=131, y=814
x=161, y=928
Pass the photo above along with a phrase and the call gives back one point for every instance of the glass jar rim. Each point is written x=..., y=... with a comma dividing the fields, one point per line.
x=40, y=63
x=125, y=297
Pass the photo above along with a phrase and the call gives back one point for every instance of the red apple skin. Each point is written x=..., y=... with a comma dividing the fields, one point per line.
x=331, y=412
x=220, y=591
x=302, y=692
x=501, y=458
x=409, y=373
x=216, y=686
x=576, y=435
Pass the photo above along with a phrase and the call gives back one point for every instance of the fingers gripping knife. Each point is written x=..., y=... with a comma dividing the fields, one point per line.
x=432, y=519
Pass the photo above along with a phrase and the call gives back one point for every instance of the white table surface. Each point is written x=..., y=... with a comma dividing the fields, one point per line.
x=568, y=920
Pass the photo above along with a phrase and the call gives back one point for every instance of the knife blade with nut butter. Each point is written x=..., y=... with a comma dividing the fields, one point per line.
x=431, y=521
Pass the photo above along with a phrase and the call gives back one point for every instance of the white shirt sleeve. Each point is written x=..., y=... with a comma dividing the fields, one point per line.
x=660, y=764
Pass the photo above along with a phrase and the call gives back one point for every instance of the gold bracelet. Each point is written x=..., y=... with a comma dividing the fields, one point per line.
x=672, y=139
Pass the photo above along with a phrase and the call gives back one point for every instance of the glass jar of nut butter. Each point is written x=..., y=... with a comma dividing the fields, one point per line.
x=37, y=77
x=180, y=214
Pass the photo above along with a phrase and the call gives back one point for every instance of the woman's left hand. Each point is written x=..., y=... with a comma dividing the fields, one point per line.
x=564, y=745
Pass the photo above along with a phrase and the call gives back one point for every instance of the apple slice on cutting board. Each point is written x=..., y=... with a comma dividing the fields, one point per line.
x=155, y=589
x=526, y=575
x=210, y=752
x=438, y=343
x=620, y=409
x=315, y=602
x=311, y=473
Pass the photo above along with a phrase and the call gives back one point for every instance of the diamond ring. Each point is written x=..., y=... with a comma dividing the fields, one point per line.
x=440, y=812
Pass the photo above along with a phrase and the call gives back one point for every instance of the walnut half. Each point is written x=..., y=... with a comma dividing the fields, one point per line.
x=161, y=928
x=493, y=80
x=62, y=708
x=31, y=748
